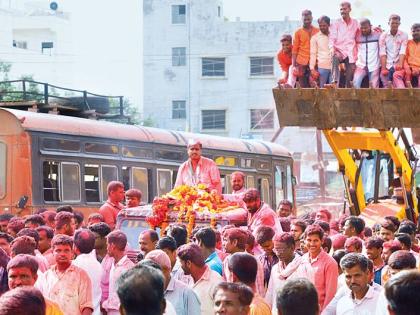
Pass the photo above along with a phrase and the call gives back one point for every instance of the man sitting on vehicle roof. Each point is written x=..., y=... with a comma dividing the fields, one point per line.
x=198, y=169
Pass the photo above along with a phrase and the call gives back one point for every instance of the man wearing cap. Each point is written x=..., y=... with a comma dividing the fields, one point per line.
x=198, y=169
x=260, y=213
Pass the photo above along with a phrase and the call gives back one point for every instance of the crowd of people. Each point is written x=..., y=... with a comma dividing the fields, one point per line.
x=56, y=262
x=346, y=51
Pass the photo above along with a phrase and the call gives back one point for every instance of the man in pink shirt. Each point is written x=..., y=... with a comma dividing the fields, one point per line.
x=112, y=206
x=198, y=169
x=116, y=243
x=320, y=60
x=319, y=266
x=342, y=44
x=392, y=46
x=260, y=213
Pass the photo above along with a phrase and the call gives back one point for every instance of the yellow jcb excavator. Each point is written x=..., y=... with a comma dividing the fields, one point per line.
x=366, y=129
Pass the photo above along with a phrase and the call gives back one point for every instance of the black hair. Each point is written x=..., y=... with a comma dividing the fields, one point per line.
x=402, y=259
x=401, y=291
x=166, y=242
x=207, y=236
x=84, y=240
x=101, y=228
x=357, y=223
x=142, y=285
x=179, y=233
x=354, y=259
x=298, y=297
x=244, y=266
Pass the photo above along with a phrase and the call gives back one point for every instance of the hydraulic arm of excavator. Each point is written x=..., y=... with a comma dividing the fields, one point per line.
x=341, y=141
x=344, y=115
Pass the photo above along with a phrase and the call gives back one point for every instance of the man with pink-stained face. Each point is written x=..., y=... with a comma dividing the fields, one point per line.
x=198, y=169
x=323, y=215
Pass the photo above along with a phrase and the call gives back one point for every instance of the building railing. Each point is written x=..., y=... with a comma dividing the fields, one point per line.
x=49, y=95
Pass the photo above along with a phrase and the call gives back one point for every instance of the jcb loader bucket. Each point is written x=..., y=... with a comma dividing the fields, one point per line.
x=331, y=108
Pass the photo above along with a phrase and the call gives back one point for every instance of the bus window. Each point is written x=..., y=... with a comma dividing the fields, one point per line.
x=164, y=181
x=250, y=183
x=50, y=181
x=92, y=182
x=2, y=169
x=289, y=183
x=101, y=148
x=264, y=188
x=126, y=177
x=61, y=144
x=139, y=180
x=108, y=174
x=70, y=181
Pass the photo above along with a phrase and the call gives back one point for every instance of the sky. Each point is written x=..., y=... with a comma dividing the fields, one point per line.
x=273, y=10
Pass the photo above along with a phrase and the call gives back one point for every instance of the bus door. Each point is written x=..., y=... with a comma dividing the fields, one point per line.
x=283, y=182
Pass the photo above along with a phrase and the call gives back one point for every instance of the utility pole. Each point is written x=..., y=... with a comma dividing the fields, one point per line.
x=321, y=169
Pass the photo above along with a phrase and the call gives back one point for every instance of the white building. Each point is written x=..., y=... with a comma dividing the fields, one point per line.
x=37, y=41
x=205, y=74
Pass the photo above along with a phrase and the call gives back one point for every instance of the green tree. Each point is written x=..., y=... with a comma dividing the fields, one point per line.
x=131, y=112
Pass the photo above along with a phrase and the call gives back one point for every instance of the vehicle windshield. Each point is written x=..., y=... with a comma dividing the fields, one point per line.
x=132, y=229
x=368, y=174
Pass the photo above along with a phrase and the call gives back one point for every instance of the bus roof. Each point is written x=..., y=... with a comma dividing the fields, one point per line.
x=13, y=120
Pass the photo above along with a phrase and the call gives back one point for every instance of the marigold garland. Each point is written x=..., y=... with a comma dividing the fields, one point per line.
x=188, y=201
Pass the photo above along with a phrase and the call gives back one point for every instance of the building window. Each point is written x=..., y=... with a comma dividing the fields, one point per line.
x=20, y=44
x=261, y=66
x=47, y=47
x=213, y=67
x=178, y=14
x=179, y=110
x=219, y=11
x=262, y=119
x=213, y=119
x=179, y=56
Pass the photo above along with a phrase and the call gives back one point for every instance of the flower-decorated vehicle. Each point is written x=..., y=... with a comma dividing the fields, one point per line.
x=192, y=206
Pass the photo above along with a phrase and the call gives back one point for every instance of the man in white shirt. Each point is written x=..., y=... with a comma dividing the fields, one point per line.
x=84, y=242
x=363, y=298
x=368, y=63
x=205, y=279
x=116, y=243
x=392, y=47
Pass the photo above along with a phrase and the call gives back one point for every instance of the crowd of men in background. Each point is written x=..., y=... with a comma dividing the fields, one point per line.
x=56, y=262
x=346, y=51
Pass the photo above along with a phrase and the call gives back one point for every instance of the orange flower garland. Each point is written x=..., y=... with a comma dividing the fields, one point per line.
x=188, y=202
